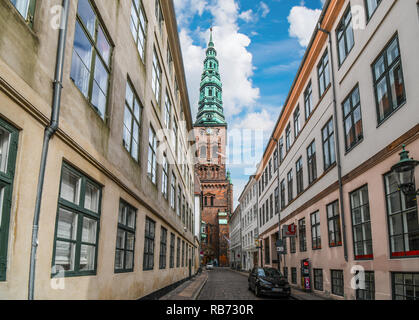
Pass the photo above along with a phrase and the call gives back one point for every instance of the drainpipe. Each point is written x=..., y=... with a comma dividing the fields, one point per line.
x=49, y=132
x=338, y=157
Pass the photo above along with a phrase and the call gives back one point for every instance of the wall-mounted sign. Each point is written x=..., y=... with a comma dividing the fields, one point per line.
x=289, y=230
x=223, y=221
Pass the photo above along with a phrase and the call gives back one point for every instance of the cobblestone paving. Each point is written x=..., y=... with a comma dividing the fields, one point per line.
x=224, y=284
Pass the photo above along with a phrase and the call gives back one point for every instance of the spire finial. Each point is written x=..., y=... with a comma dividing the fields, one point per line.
x=211, y=43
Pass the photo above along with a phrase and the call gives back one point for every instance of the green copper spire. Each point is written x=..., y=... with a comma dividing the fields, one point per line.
x=210, y=111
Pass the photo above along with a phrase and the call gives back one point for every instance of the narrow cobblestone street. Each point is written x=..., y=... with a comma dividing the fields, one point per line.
x=225, y=284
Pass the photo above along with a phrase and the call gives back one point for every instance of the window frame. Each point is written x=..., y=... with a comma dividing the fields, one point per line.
x=312, y=162
x=163, y=248
x=308, y=100
x=140, y=28
x=134, y=121
x=6, y=184
x=93, y=60
x=336, y=219
x=127, y=230
x=149, y=238
x=404, y=274
x=321, y=73
x=82, y=212
x=299, y=175
x=302, y=234
x=344, y=26
x=152, y=151
x=386, y=75
x=369, y=287
x=359, y=139
x=334, y=279
x=318, y=285
x=366, y=255
x=316, y=242
x=331, y=146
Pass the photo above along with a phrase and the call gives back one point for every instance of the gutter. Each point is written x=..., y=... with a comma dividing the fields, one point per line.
x=49, y=133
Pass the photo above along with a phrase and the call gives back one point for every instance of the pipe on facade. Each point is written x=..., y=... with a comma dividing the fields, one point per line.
x=49, y=133
x=337, y=144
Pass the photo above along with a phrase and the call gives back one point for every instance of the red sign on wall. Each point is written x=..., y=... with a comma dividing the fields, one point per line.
x=289, y=230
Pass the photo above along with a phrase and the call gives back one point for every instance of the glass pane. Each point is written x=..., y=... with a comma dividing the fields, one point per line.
x=64, y=256
x=91, y=201
x=87, y=15
x=1, y=203
x=22, y=6
x=87, y=258
x=392, y=52
x=89, y=230
x=129, y=262
x=397, y=85
x=129, y=96
x=103, y=46
x=80, y=74
x=82, y=47
x=70, y=186
x=99, y=100
x=131, y=218
x=120, y=239
x=4, y=149
x=67, y=225
x=379, y=68
x=130, y=241
x=119, y=259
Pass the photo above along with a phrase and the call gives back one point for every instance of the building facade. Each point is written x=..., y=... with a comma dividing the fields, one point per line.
x=249, y=224
x=353, y=104
x=235, y=236
x=211, y=139
x=116, y=217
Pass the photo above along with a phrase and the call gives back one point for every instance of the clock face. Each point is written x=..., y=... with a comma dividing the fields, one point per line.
x=209, y=131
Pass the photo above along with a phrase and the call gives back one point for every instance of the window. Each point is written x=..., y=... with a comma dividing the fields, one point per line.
x=165, y=177
x=178, y=253
x=323, y=73
x=371, y=7
x=361, y=224
x=152, y=147
x=288, y=138
x=8, y=150
x=318, y=279
x=293, y=247
x=405, y=286
x=345, y=36
x=311, y=163
x=183, y=209
x=271, y=205
x=183, y=253
x=175, y=138
x=333, y=224
x=282, y=194
x=302, y=234
x=281, y=150
x=169, y=60
x=91, y=58
x=179, y=198
x=297, y=123
x=150, y=232
x=299, y=175
x=337, y=282
x=139, y=26
x=173, y=192
x=286, y=273
x=403, y=221
x=172, y=250
x=76, y=235
x=290, y=183
x=159, y=16
x=267, y=252
x=276, y=201
x=294, y=275
x=369, y=292
x=26, y=8
x=167, y=112
x=352, y=119
x=276, y=160
x=156, y=77
x=328, y=145
x=270, y=169
x=163, y=248
x=316, y=242
x=132, y=122
x=308, y=100
x=125, y=238
x=388, y=81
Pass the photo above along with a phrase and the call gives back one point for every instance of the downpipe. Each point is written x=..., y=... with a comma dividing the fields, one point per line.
x=338, y=157
x=49, y=133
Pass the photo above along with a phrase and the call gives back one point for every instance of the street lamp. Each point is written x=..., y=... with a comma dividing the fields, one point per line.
x=404, y=172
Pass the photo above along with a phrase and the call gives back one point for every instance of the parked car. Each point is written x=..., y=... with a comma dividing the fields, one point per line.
x=210, y=266
x=269, y=281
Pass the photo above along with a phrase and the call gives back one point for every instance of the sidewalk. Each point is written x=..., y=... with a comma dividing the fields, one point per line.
x=296, y=293
x=189, y=290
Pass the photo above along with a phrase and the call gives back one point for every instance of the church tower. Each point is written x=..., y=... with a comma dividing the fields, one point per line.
x=211, y=138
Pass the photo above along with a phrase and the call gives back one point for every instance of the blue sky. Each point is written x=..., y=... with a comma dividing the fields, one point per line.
x=260, y=45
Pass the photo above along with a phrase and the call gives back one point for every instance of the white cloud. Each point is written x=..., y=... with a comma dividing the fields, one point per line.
x=247, y=16
x=302, y=23
x=264, y=8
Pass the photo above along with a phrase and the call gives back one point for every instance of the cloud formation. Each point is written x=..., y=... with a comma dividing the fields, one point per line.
x=302, y=23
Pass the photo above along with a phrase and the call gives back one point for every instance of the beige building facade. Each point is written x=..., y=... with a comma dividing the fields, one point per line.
x=332, y=178
x=117, y=211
